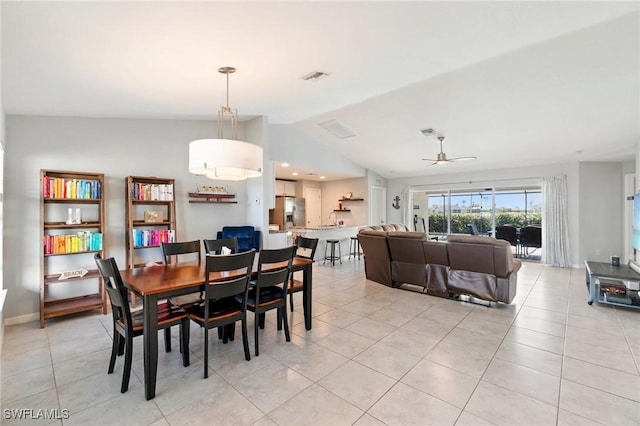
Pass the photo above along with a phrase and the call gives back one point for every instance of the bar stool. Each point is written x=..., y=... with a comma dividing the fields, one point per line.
x=332, y=258
x=354, y=248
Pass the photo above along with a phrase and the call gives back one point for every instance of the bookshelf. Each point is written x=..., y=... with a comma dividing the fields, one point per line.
x=72, y=224
x=150, y=218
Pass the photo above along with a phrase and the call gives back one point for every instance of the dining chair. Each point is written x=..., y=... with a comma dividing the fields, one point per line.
x=270, y=289
x=215, y=246
x=306, y=248
x=221, y=309
x=171, y=251
x=530, y=237
x=127, y=325
x=510, y=234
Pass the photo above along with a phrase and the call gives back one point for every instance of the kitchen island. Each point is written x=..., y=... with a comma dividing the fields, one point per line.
x=323, y=233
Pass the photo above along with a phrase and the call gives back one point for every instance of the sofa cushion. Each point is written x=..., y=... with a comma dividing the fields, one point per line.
x=481, y=254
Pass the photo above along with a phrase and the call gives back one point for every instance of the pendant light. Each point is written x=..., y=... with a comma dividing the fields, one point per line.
x=225, y=159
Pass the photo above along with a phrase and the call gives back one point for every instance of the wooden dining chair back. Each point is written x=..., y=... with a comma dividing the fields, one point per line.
x=127, y=325
x=270, y=289
x=215, y=246
x=172, y=251
x=306, y=248
x=220, y=308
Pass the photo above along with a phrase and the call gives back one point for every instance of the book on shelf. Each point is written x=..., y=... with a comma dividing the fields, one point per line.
x=152, y=237
x=72, y=243
x=63, y=188
x=151, y=192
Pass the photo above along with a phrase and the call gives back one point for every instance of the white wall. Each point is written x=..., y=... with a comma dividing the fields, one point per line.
x=117, y=148
x=2, y=144
x=290, y=144
x=601, y=215
x=333, y=191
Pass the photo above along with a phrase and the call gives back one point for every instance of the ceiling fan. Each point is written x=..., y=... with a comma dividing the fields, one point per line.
x=442, y=157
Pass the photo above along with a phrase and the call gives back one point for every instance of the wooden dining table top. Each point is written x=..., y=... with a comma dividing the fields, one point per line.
x=159, y=278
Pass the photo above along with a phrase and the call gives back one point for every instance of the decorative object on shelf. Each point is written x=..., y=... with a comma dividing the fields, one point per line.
x=225, y=159
x=208, y=189
x=73, y=273
x=348, y=195
x=73, y=219
x=396, y=202
x=442, y=157
x=152, y=216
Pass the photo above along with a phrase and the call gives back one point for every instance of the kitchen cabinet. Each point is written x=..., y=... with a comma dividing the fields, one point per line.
x=285, y=187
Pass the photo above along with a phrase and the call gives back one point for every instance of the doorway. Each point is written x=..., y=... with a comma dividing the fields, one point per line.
x=313, y=216
x=378, y=205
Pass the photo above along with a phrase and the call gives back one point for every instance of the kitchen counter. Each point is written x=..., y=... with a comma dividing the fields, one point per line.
x=323, y=233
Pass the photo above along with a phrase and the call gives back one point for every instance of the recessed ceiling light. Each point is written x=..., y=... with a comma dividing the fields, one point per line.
x=295, y=173
x=322, y=177
x=284, y=164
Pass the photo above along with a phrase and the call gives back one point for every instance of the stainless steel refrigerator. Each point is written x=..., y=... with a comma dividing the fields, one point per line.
x=289, y=212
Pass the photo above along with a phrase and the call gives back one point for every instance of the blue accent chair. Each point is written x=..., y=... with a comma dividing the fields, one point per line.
x=248, y=237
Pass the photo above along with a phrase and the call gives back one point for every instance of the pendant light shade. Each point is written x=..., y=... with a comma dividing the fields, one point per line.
x=225, y=159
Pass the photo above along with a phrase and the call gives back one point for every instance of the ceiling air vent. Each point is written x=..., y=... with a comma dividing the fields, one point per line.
x=428, y=132
x=337, y=129
x=315, y=76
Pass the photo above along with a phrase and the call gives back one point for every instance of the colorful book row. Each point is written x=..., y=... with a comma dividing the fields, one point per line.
x=153, y=237
x=72, y=243
x=152, y=192
x=55, y=187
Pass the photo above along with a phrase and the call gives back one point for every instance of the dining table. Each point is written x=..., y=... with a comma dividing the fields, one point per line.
x=159, y=281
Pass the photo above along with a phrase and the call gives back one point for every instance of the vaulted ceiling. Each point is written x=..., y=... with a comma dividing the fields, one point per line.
x=513, y=83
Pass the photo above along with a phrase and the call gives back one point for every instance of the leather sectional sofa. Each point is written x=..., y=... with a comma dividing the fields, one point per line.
x=479, y=266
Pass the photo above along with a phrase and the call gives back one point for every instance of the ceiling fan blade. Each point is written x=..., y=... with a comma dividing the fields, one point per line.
x=462, y=158
x=428, y=159
x=432, y=164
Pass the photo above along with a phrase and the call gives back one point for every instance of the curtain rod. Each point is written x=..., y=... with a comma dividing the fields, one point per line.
x=478, y=181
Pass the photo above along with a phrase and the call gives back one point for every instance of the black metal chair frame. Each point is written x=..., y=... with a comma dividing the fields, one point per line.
x=124, y=329
x=296, y=286
x=262, y=296
x=215, y=246
x=220, y=308
x=510, y=234
x=530, y=237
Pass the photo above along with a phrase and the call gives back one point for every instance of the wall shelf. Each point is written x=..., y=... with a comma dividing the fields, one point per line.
x=342, y=210
x=351, y=199
x=200, y=197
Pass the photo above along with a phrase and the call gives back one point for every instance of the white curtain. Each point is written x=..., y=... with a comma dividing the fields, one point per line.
x=555, y=230
x=406, y=207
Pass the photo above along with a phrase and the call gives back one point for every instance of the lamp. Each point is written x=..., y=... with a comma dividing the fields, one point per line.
x=225, y=159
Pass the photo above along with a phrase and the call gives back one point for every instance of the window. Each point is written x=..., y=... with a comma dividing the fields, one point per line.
x=457, y=211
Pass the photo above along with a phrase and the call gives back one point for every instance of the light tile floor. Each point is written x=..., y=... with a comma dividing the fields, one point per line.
x=375, y=356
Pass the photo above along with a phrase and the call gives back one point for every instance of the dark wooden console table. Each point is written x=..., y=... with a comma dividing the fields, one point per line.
x=622, y=274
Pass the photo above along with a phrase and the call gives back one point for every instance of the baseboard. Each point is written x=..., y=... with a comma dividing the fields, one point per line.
x=21, y=319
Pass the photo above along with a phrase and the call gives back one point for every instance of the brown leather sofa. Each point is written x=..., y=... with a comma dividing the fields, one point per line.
x=483, y=267
x=373, y=241
x=475, y=265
